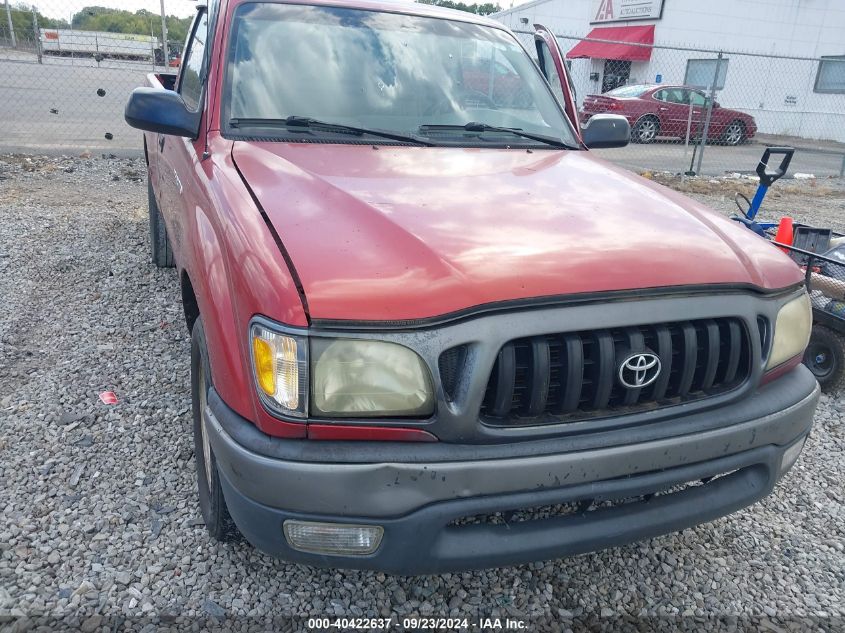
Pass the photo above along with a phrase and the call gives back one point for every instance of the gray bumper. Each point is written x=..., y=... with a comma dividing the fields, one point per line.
x=413, y=489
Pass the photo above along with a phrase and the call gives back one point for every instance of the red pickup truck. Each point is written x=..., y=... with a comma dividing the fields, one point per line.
x=430, y=329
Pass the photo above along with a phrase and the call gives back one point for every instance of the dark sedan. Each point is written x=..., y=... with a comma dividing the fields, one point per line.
x=659, y=110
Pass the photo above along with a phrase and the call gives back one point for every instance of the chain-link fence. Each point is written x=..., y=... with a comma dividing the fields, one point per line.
x=63, y=85
x=691, y=110
x=700, y=111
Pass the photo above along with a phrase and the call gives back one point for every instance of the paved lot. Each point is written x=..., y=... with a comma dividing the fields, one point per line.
x=719, y=160
x=99, y=525
x=56, y=107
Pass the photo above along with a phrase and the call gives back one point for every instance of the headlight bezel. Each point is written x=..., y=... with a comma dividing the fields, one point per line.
x=274, y=407
x=304, y=338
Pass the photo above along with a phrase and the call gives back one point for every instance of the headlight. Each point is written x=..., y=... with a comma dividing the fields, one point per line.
x=368, y=378
x=280, y=367
x=792, y=331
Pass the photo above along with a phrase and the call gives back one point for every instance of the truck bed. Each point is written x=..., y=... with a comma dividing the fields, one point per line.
x=167, y=81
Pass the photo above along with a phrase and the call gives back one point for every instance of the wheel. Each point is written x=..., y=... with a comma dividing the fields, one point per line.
x=645, y=130
x=734, y=134
x=162, y=254
x=825, y=357
x=212, y=504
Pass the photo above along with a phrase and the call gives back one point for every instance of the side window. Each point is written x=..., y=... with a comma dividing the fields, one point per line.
x=502, y=70
x=697, y=99
x=676, y=95
x=190, y=86
x=550, y=71
x=660, y=95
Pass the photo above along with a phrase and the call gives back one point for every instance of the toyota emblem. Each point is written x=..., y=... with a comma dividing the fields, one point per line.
x=639, y=370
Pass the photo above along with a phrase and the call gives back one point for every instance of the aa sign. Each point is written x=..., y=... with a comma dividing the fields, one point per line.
x=626, y=10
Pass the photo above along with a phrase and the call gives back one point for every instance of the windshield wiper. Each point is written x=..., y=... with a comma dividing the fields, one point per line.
x=308, y=122
x=473, y=126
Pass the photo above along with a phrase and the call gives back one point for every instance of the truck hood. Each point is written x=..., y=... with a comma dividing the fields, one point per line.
x=394, y=233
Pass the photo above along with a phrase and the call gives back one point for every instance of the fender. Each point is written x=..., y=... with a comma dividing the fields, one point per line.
x=237, y=271
x=211, y=289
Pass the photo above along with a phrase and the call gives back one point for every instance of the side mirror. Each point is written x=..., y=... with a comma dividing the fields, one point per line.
x=605, y=131
x=162, y=111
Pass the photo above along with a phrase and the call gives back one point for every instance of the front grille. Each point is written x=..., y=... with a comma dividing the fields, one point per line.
x=569, y=376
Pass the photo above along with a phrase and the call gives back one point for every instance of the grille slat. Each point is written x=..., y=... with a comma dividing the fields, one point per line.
x=603, y=357
x=505, y=381
x=539, y=376
x=734, y=351
x=572, y=378
x=689, y=340
x=664, y=351
x=712, y=354
x=574, y=375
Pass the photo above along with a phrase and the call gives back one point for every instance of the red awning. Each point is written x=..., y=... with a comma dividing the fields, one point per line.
x=620, y=46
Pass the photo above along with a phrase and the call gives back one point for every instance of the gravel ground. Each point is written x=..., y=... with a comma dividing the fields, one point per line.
x=99, y=525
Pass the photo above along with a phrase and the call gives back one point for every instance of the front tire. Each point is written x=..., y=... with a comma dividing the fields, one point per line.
x=162, y=254
x=825, y=357
x=212, y=503
x=645, y=130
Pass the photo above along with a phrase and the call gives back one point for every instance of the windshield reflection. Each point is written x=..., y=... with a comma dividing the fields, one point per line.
x=385, y=71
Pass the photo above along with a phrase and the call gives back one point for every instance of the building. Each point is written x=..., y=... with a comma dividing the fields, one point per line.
x=783, y=60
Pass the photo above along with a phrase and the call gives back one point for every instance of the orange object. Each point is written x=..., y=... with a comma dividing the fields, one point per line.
x=784, y=234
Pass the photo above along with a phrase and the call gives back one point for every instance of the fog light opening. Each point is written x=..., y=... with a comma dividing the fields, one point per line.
x=790, y=455
x=333, y=538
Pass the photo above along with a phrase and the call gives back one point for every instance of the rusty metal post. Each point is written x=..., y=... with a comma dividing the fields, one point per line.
x=709, y=113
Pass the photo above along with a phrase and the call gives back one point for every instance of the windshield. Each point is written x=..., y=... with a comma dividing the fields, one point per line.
x=384, y=71
x=627, y=91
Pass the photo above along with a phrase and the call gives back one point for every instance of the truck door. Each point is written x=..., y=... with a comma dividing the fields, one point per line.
x=179, y=156
x=673, y=110
x=553, y=67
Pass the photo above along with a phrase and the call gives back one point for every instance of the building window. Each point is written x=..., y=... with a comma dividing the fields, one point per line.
x=700, y=73
x=831, y=75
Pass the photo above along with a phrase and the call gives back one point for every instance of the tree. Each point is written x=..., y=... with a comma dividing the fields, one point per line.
x=22, y=23
x=479, y=9
x=141, y=22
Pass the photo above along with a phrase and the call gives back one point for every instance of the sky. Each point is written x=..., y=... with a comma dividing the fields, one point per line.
x=64, y=8
x=180, y=8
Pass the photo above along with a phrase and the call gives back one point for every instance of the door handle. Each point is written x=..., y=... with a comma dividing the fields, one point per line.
x=161, y=142
x=663, y=109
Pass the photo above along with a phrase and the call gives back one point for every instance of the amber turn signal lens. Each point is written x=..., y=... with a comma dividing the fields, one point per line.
x=265, y=366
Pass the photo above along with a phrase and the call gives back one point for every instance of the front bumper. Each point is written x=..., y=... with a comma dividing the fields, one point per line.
x=416, y=491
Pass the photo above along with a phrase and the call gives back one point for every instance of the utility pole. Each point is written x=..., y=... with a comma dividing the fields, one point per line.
x=11, y=26
x=164, y=47
x=37, y=35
